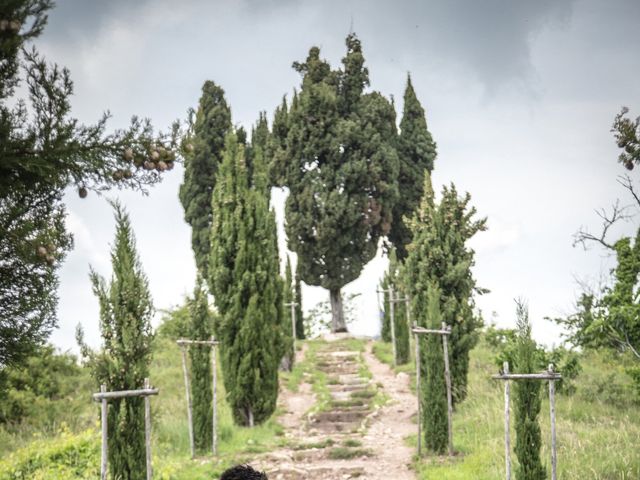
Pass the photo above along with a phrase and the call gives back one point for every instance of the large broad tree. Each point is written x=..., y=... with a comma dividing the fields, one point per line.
x=417, y=153
x=439, y=255
x=44, y=150
x=123, y=362
x=340, y=165
x=245, y=281
x=206, y=143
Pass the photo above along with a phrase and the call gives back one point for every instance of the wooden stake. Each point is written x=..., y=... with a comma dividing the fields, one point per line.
x=189, y=405
x=552, y=410
x=103, y=415
x=392, y=324
x=507, y=431
x=147, y=430
x=417, y=341
x=447, y=378
x=214, y=442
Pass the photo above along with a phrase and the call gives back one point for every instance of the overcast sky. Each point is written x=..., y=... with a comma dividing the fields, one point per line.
x=519, y=95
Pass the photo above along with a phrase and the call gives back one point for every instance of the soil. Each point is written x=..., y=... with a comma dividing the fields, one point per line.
x=352, y=438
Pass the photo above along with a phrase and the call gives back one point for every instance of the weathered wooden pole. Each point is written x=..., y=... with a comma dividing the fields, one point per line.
x=189, y=404
x=147, y=429
x=447, y=378
x=392, y=324
x=418, y=393
x=214, y=442
x=507, y=430
x=408, y=313
x=552, y=412
x=105, y=437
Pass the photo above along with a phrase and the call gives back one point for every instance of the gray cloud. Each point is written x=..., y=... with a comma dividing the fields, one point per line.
x=519, y=95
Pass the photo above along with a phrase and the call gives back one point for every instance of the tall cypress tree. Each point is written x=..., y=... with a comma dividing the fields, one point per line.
x=417, y=153
x=201, y=328
x=527, y=402
x=213, y=121
x=244, y=275
x=300, y=333
x=433, y=394
x=438, y=255
x=340, y=165
x=123, y=362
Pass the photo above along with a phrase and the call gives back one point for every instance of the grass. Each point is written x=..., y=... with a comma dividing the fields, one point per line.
x=345, y=453
x=598, y=427
x=73, y=454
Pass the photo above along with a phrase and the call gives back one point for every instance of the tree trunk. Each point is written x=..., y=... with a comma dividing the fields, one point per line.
x=337, y=314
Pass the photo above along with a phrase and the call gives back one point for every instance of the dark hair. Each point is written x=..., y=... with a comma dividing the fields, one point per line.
x=243, y=472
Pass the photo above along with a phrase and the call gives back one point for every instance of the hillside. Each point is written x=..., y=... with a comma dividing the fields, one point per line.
x=598, y=426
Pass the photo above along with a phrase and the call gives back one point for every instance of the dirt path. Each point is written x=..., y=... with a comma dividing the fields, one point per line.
x=348, y=437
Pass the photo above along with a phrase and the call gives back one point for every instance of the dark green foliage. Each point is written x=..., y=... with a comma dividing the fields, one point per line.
x=438, y=255
x=123, y=363
x=392, y=280
x=201, y=328
x=417, y=153
x=504, y=341
x=213, y=121
x=39, y=391
x=245, y=281
x=433, y=393
x=43, y=150
x=300, y=330
x=527, y=402
x=287, y=327
x=627, y=135
x=340, y=164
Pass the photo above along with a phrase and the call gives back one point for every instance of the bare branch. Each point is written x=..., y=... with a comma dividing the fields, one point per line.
x=583, y=237
x=625, y=181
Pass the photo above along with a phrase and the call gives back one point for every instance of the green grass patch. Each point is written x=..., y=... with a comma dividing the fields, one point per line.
x=345, y=453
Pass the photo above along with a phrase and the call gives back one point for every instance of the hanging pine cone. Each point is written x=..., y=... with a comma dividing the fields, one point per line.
x=147, y=165
x=117, y=175
x=155, y=155
x=127, y=174
x=14, y=26
x=162, y=166
x=169, y=165
x=50, y=259
x=82, y=192
x=629, y=164
x=128, y=154
x=4, y=25
x=41, y=251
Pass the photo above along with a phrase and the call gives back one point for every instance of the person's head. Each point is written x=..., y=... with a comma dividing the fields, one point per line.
x=243, y=472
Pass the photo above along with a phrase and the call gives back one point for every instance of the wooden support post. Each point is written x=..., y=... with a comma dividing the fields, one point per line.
x=552, y=411
x=214, y=442
x=392, y=325
x=189, y=405
x=417, y=341
x=507, y=430
x=293, y=306
x=408, y=313
x=105, y=437
x=447, y=378
x=147, y=429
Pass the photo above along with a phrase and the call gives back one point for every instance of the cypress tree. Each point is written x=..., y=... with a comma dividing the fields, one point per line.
x=213, y=121
x=438, y=254
x=287, y=327
x=300, y=332
x=123, y=364
x=527, y=401
x=201, y=376
x=433, y=393
x=417, y=153
x=246, y=285
x=392, y=279
x=340, y=165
